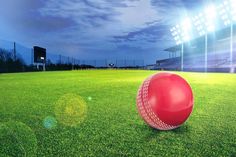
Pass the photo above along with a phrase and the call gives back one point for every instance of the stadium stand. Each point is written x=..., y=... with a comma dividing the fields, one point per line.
x=218, y=56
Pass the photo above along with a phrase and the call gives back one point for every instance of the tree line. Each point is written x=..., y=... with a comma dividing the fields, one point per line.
x=10, y=63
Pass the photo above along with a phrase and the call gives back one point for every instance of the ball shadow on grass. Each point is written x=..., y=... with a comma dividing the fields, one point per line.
x=150, y=133
x=181, y=130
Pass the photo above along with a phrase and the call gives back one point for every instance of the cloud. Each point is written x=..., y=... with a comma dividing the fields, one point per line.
x=168, y=13
x=149, y=34
x=102, y=19
x=22, y=17
x=85, y=12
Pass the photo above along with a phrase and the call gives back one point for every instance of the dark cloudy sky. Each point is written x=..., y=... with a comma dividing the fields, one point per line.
x=95, y=29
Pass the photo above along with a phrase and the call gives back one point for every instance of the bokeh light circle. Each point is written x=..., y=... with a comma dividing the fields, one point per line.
x=70, y=110
x=49, y=122
x=17, y=139
x=90, y=98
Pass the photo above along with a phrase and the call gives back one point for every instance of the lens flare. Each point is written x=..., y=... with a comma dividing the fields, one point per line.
x=49, y=122
x=70, y=110
x=90, y=98
x=17, y=139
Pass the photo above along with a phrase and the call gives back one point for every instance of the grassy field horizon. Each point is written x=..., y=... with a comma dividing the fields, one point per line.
x=38, y=116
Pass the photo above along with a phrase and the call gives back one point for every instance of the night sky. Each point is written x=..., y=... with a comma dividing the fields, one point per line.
x=95, y=29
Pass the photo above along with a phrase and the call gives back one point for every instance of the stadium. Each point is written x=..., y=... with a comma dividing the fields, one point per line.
x=204, y=43
x=76, y=78
x=218, y=56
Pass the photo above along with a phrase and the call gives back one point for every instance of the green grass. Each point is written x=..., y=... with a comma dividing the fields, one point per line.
x=110, y=124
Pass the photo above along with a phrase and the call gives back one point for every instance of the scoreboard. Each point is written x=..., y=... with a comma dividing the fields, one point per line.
x=39, y=54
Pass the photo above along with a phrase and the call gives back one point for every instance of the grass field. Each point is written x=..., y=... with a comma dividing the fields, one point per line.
x=32, y=123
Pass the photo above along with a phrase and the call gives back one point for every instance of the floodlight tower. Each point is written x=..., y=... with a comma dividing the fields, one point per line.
x=228, y=15
x=182, y=34
x=210, y=14
x=200, y=24
x=205, y=23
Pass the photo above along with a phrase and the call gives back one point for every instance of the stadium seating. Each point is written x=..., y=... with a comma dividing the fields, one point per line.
x=216, y=62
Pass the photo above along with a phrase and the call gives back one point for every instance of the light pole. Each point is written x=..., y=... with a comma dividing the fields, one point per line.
x=182, y=34
x=206, y=52
x=231, y=48
x=228, y=15
x=182, y=57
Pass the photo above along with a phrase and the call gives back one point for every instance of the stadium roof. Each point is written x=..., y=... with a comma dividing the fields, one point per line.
x=218, y=36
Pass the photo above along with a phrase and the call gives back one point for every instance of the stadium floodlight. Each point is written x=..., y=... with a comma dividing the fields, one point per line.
x=182, y=33
x=186, y=29
x=210, y=11
x=176, y=35
x=210, y=18
x=199, y=23
x=186, y=24
x=207, y=22
x=227, y=11
x=233, y=11
x=228, y=15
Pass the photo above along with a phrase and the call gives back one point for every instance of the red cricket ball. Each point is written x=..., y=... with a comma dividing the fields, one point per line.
x=165, y=101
